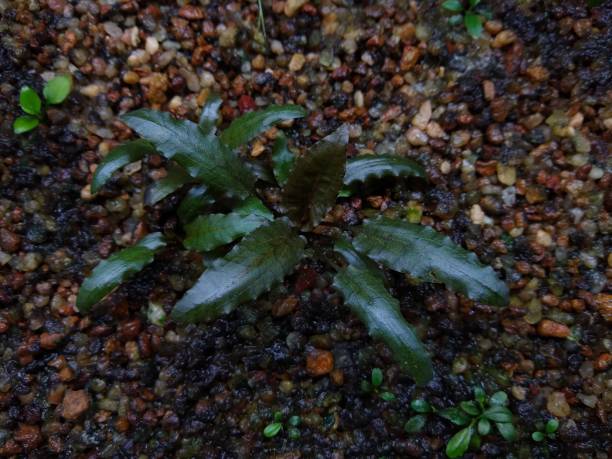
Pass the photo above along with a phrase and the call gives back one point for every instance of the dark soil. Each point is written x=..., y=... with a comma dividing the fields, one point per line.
x=520, y=176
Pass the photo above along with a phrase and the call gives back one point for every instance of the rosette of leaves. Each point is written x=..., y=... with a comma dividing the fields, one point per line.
x=471, y=13
x=477, y=417
x=55, y=92
x=260, y=244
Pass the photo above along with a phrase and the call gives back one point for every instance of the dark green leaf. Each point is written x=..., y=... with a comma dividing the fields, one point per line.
x=204, y=157
x=364, y=168
x=415, y=424
x=210, y=114
x=118, y=267
x=507, y=430
x=208, y=232
x=473, y=24
x=459, y=443
x=117, y=158
x=430, y=256
x=282, y=159
x=315, y=180
x=455, y=19
x=196, y=200
x=175, y=179
x=24, y=124
x=484, y=426
x=479, y=395
x=365, y=293
x=498, y=414
x=420, y=406
x=344, y=247
x=260, y=260
x=56, y=90
x=552, y=425
x=474, y=3
x=29, y=101
x=499, y=398
x=537, y=436
x=377, y=377
x=273, y=429
x=278, y=416
x=251, y=124
x=452, y=5
x=387, y=396
x=470, y=408
x=475, y=441
x=456, y=416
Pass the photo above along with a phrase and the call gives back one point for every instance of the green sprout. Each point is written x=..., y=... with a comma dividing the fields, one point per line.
x=549, y=432
x=472, y=17
x=375, y=386
x=55, y=92
x=274, y=428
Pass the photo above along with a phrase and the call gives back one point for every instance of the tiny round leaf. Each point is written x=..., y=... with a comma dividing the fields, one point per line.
x=537, y=436
x=29, y=101
x=273, y=429
x=552, y=425
x=415, y=424
x=377, y=377
x=420, y=406
x=24, y=124
x=57, y=89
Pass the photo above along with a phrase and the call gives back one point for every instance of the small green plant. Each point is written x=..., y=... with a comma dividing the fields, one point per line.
x=55, y=92
x=478, y=416
x=472, y=16
x=375, y=385
x=416, y=423
x=549, y=431
x=257, y=244
x=261, y=21
x=274, y=428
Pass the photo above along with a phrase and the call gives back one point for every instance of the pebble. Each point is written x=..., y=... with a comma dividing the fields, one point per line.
x=75, y=403
x=297, y=62
x=477, y=215
x=503, y=38
x=543, y=238
x=29, y=436
x=9, y=241
x=506, y=174
x=557, y=405
x=319, y=363
x=553, y=329
x=460, y=138
x=151, y=45
x=91, y=90
x=292, y=7
x=416, y=137
x=421, y=119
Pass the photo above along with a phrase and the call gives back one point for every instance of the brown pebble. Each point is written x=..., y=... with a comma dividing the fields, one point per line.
x=191, y=12
x=284, y=307
x=337, y=377
x=29, y=436
x=50, y=340
x=319, y=362
x=537, y=73
x=129, y=330
x=504, y=38
x=553, y=329
x=603, y=362
x=9, y=241
x=603, y=304
x=75, y=403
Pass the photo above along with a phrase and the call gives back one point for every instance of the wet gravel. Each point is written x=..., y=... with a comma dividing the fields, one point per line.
x=514, y=132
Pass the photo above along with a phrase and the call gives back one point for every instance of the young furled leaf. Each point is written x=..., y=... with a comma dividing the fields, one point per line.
x=260, y=260
x=56, y=90
x=366, y=295
x=118, y=267
x=24, y=124
x=29, y=101
x=427, y=255
x=208, y=232
x=201, y=154
x=366, y=167
x=250, y=125
x=175, y=178
x=117, y=158
x=282, y=159
x=315, y=180
x=210, y=114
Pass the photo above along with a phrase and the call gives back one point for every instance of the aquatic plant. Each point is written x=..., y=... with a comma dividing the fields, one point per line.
x=55, y=92
x=548, y=432
x=261, y=245
x=472, y=16
x=375, y=386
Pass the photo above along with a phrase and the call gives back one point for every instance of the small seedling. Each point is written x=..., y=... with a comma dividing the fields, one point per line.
x=472, y=17
x=261, y=20
x=55, y=92
x=549, y=432
x=478, y=415
x=416, y=423
x=375, y=386
x=274, y=428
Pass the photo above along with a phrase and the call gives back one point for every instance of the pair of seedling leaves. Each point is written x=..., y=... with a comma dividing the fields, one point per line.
x=272, y=246
x=55, y=92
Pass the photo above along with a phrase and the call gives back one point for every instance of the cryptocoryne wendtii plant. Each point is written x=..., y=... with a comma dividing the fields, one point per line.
x=224, y=210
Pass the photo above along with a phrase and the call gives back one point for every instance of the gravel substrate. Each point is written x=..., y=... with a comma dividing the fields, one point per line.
x=514, y=130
